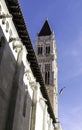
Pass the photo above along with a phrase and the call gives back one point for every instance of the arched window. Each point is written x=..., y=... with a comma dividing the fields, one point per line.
x=47, y=74
x=47, y=49
x=47, y=77
x=40, y=50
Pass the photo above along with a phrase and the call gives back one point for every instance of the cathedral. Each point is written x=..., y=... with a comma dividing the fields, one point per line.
x=46, y=56
x=28, y=78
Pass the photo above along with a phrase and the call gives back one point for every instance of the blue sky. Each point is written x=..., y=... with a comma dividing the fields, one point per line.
x=65, y=18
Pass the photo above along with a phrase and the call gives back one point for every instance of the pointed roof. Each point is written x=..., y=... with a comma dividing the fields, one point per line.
x=45, y=30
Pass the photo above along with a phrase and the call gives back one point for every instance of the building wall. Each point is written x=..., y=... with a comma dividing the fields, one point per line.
x=7, y=71
x=22, y=105
x=12, y=91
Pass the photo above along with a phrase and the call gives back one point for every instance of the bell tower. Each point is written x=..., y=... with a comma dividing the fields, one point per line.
x=45, y=48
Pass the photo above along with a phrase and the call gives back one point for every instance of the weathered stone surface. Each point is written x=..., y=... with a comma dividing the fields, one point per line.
x=12, y=92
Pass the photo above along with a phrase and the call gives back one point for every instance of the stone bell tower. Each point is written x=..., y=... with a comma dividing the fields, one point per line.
x=45, y=48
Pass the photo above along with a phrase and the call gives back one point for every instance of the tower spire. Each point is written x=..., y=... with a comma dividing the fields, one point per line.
x=45, y=30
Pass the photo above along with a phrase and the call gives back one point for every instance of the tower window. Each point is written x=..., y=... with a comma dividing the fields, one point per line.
x=40, y=49
x=47, y=78
x=47, y=74
x=47, y=49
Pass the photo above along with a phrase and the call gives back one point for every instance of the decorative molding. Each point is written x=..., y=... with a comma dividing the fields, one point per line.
x=33, y=84
x=43, y=99
x=2, y=16
x=26, y=88
x=27, y=74
x=17, y=48
x=7, y=26
x=11, y=39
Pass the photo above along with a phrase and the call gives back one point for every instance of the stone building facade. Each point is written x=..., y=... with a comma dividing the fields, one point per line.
x=24, y=102
x=45, y=47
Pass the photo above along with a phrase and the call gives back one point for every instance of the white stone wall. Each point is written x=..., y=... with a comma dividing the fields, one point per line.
x=41, y=119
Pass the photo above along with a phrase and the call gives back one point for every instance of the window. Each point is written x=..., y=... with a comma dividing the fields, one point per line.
x=40, y=49
x=47, y=74
x=47, y=77
x=47, y=49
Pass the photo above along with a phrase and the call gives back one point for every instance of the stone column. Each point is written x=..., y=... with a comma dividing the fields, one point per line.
x=35, y=88
x=45, y=117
